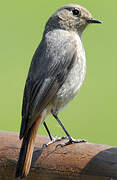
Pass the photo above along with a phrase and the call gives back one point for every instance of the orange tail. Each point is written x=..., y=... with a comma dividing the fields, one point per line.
x=25, y=157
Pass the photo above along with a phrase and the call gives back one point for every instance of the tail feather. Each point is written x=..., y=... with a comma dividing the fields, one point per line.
x=26, y=151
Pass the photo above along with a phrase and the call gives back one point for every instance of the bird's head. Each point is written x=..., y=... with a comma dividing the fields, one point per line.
x=71, y=17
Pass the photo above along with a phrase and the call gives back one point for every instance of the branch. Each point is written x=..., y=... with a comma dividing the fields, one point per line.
x=81, y=161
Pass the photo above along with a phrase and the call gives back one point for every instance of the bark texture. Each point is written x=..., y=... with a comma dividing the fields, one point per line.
x=81, y=161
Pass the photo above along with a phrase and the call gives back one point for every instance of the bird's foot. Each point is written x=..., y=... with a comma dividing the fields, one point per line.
x=71, y=141
x=55, y=139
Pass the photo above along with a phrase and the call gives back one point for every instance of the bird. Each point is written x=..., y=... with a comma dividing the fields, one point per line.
x=56, y=73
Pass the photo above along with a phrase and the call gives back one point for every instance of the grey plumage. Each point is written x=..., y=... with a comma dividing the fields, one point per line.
x=51, y=64
x=56, y=72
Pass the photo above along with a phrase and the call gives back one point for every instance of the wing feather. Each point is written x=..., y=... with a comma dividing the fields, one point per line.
x=47, y=74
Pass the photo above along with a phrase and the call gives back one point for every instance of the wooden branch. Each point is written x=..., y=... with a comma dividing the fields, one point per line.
x=81, y=161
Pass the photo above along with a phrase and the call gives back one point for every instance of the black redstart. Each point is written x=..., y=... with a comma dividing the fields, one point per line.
x=56, y=74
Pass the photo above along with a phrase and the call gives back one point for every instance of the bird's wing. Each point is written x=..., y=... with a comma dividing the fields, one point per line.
x=49, y=73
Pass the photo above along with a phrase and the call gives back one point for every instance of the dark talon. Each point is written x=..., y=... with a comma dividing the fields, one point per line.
x=44, y=145
x=59, y=145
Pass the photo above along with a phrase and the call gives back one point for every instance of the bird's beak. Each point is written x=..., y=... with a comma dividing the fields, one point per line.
x=93, y=21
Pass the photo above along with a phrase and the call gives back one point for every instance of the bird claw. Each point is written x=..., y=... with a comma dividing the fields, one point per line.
x=71, y=141
x=55, y=139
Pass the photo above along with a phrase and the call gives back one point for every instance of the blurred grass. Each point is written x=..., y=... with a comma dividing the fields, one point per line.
x=92, y=114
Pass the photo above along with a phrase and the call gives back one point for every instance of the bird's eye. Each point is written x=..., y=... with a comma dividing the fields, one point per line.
x=76, y=12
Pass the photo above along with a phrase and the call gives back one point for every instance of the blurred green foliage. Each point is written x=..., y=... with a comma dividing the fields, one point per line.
x=93, y=113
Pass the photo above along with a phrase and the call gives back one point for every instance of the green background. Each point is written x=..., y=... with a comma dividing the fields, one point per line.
x=93, y=113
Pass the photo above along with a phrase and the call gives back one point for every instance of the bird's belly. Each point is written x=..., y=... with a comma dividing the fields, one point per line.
x=71, y=86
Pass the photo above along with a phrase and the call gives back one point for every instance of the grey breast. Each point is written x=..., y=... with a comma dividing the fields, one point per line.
x=74, y=80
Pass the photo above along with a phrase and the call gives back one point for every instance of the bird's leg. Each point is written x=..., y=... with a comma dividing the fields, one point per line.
x=53, y=139
x=46, y=127
x=71, y=140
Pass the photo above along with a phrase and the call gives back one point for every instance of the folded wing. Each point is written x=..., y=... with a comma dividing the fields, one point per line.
x=47, y=73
